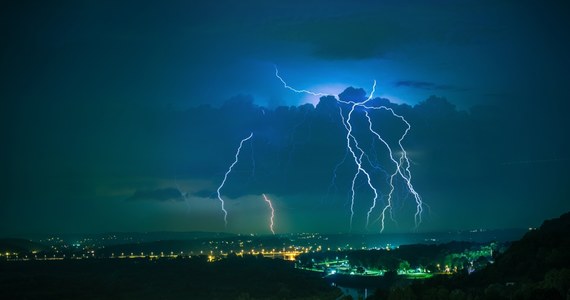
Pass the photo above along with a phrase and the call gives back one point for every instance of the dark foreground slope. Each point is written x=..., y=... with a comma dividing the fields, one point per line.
x=535, y=255
x=535, y=267
x=234, y=278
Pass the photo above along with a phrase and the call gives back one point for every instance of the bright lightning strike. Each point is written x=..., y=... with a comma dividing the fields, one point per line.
x=226, y=177
x=272, y=212
x=357, y=159
x=401, y=165
x=406, y=175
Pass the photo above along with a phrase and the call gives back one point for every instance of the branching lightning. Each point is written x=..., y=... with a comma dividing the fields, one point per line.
x=335, y=173
x=272, y=213
x=357, y=159
x=226, y=177
x=401, y=164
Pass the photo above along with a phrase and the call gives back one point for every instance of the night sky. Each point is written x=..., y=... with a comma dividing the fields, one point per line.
x=125, y=115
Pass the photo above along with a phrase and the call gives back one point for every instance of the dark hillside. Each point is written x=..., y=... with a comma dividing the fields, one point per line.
x=535, y=267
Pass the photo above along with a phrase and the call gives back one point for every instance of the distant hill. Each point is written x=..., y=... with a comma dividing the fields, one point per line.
x=171, y=235
x=20, y=246
x=121, y=237
x=194, y=244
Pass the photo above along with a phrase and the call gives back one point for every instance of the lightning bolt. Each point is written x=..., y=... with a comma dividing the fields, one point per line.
x=357, y=159
x=335, y=174
x=401, y=164
x=295, y=90
x=272, y=213
x=226, y=177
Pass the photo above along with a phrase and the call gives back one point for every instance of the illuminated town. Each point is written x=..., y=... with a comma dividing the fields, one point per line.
x=328, y=254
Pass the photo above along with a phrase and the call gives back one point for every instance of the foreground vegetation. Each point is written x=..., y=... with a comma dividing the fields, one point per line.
x=536, y=267
x=233, y=278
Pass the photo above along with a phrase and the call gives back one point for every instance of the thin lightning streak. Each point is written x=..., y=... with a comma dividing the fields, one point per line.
x=335, y=173
x=404, y=157
x=183, y=194
x=226, y=177
x=389, y=200
x=295, y=90
x=402, y=165
x=272, y=212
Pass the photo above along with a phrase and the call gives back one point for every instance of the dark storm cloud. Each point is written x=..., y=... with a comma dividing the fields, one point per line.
x=204, y=193
x=161, y=195
x=294, y=149
x=284, y=140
